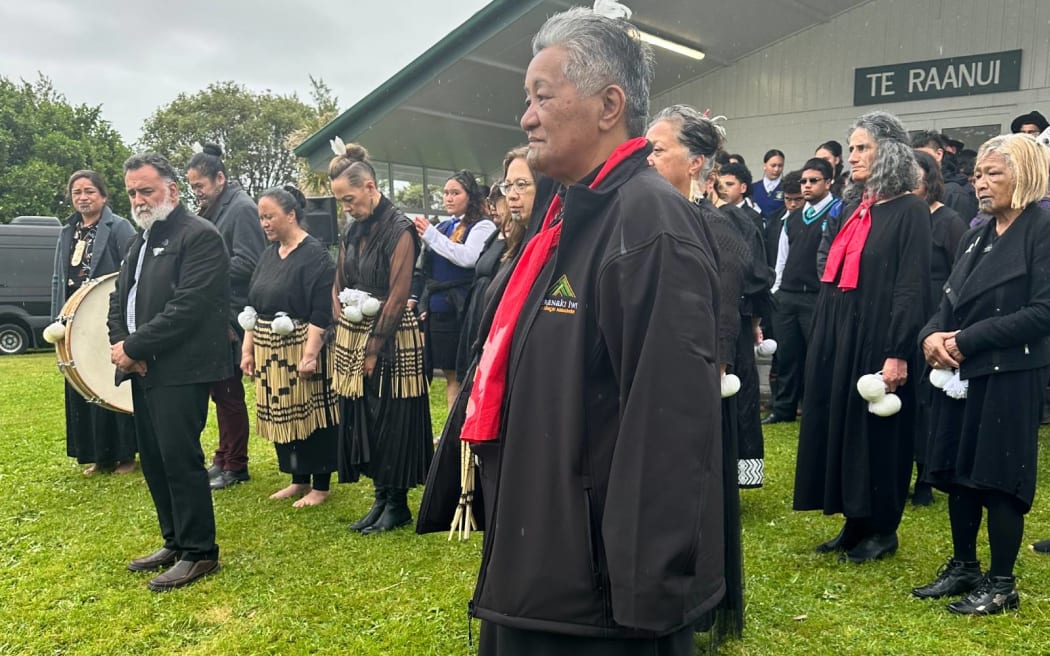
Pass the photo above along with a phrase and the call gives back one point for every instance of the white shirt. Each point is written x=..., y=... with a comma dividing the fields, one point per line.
x=133, y=292
x=770, y=185
x=463, y=255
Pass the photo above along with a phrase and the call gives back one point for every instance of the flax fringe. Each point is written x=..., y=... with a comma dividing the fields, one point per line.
x=289, y=407
x=407, y=376
x=463, y=521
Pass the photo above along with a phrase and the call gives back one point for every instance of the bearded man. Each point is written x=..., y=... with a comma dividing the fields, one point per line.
x=168, y=331
x=595, y=411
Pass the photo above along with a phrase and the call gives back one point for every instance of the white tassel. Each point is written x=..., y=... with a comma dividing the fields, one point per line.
x=940, y=377
x=247, y=318
x=730, y=385
x=282, y=324
x=888, y=405
x=612, y=9
x=871, y=386
x=956, y=388
x=338, y=146
x=766, y=347
x=55, y=332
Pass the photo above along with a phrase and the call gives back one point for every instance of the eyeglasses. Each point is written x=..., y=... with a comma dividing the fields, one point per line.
x=521, y=185
x=812, y=181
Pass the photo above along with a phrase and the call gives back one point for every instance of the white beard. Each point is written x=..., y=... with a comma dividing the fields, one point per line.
x=147, y=216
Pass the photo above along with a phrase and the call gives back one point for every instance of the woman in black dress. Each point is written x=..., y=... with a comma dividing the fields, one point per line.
x=946, y=229
x=685, y=143
x=386, y=432
x=295, y=405
x=874, y=298
x=994, y=327
x=91, y=245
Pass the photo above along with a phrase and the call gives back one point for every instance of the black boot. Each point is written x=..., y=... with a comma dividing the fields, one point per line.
x=847, y=538
x=993, y=594
x=395, y=514
x=955, y=578
x=373, y=513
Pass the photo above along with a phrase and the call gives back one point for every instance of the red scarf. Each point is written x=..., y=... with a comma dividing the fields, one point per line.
x=849, y=243
x=485, y=407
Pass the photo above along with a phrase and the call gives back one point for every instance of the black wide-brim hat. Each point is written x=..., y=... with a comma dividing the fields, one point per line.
x=1035, y=118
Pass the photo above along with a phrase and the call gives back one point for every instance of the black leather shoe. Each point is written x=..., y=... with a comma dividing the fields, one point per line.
x=777, y=419
x=395, y=513
x=994, y=594
x=373, y=513
x=228, y=478
x=873, y=547
x=183, y=573
x=1043, y=547
x=214, y=471
x=844, y=541
x=159, y=559
x=956, y=577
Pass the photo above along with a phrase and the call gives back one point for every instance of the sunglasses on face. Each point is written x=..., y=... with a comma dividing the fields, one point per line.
x=812, y=181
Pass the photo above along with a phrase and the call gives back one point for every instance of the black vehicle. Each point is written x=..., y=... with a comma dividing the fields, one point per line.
x=27, y=254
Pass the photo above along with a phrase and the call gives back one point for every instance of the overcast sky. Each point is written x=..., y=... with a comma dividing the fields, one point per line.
x=133, y=56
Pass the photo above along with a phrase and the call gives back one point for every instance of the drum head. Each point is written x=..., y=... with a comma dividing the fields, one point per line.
x=85, y=348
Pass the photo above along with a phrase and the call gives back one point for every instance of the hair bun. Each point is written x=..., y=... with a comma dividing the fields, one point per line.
x=356, y=152
x=298, y=195
x=212, y=149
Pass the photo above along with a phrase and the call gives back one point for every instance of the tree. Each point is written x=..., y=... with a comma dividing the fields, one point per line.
x=326, y=108
x=252, y=129
x=43, y=139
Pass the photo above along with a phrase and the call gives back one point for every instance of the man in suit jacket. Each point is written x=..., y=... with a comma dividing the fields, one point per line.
x=168, y=330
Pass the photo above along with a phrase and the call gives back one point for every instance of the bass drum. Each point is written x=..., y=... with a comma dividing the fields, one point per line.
x=83, y=354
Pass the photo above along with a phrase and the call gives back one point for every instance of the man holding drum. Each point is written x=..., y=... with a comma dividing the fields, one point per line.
x=168, y=330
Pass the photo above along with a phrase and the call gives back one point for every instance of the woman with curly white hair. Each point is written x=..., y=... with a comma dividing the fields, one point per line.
x=873, y=300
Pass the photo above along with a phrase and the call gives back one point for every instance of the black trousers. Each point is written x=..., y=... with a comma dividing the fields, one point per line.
x=169, y=420
x=793, y=324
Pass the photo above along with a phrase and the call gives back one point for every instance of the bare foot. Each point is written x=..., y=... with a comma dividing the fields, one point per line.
x=125, y=467
x=91, y=470
x=313, y=498
x=292, y=491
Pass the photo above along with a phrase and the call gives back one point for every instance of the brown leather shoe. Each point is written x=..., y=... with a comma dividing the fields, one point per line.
x=183, y=573
x=159, y=559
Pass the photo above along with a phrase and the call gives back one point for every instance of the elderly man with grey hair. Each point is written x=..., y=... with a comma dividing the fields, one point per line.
x=168, y=330
x=595, y=410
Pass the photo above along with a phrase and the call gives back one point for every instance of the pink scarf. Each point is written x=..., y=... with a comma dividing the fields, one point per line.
x=849, y=243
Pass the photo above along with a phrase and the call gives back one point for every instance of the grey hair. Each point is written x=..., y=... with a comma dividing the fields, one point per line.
x=700, y=135
x=163, y=166
x=894, y=170
x=602, y=51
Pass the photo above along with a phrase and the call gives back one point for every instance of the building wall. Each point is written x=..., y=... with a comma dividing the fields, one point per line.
x=798, y=92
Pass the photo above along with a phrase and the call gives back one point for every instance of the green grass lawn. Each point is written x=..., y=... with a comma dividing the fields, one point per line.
x=297, y=582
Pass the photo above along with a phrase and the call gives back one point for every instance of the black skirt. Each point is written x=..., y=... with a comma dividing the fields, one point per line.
x=317, y=454
x=388, y=440
x=498, y=640
x=443, y=331
x=990, y=440
x=96, y=435
x=750, y=443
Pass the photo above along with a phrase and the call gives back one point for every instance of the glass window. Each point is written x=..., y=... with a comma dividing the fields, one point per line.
x=436, y=185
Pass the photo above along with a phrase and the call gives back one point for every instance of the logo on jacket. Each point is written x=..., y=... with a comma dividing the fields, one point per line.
x=561, y=297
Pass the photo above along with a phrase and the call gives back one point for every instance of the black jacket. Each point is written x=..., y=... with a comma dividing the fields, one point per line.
x=182, y=303
x=959, y=195
x=111, y=242
x=237, y=218
x=1000, y=303
x=605, y=514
